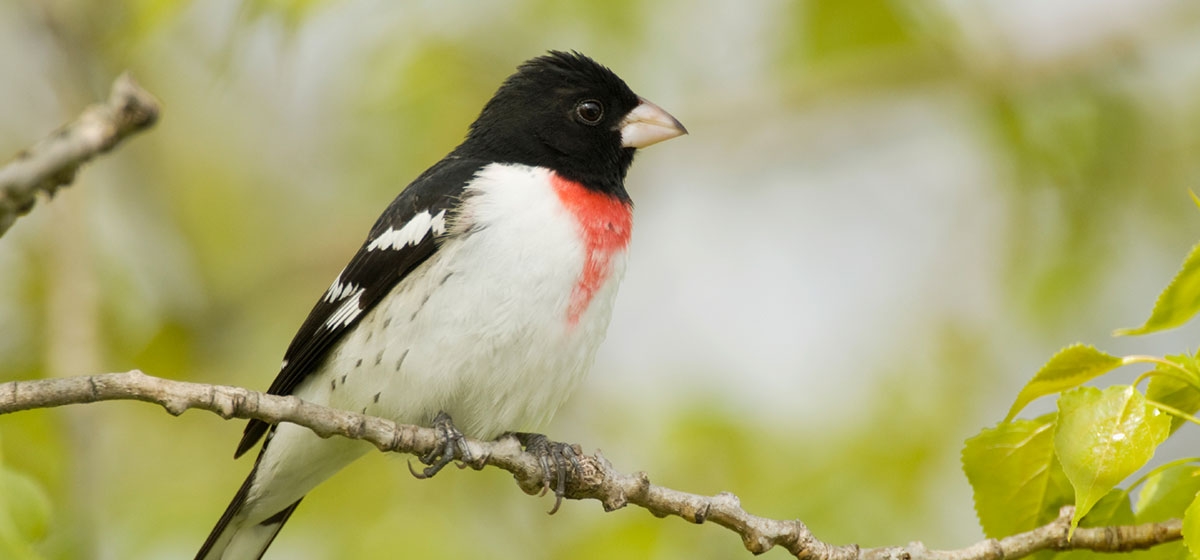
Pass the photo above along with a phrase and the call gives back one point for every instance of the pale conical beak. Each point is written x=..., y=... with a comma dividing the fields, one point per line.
x=648, y=124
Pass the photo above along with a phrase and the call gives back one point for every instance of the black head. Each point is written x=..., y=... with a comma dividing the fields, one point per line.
x=566, y=112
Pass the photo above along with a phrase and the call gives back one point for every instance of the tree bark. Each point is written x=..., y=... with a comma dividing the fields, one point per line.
x=596, y=479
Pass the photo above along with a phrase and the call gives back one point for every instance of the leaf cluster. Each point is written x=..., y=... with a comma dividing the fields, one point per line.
x=1023, y=470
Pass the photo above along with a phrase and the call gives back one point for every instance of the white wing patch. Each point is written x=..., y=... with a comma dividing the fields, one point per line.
x=412, y=232
x=438, y=224
x=347, y=312
x=338, y=290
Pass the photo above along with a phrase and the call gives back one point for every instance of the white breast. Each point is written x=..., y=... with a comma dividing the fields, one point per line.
x=480, y=330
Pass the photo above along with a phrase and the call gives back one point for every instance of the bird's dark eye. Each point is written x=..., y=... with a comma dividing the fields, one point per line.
x=589, y=111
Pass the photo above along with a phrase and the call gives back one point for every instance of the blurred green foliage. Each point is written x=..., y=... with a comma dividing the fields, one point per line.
x=25, y=513
x=841, y=29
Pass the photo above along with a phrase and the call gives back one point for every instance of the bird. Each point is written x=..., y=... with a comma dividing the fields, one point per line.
x=479, y=298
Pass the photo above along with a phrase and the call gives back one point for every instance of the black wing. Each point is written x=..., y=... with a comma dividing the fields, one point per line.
x=370, y=275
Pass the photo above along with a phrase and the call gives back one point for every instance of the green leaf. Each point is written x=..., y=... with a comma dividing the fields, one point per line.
x=1167, y=493
x=1178, y=302
x=1174, y=550
x=1068, y=368
x=1168, y=389
x=1191, y=527
x=1188, y=362
x=1112, y=509
x=1017, y=481
x=1103, y=437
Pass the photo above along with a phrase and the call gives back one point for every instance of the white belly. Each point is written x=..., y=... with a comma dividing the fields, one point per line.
x=484, y=330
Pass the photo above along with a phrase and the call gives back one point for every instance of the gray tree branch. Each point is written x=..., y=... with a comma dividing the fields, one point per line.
x=596, y=479
x=52, y=162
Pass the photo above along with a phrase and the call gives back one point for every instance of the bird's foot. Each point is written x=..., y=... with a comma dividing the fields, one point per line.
x=554, y=457
x=452, y=446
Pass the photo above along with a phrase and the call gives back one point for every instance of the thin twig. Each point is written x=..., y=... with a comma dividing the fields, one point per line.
x=52, y=162
x=595, y=480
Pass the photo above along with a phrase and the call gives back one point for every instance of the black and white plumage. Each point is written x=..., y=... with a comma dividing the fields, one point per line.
x=483, y=291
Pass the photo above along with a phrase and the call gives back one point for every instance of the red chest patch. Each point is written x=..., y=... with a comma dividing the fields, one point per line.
x=605, y=224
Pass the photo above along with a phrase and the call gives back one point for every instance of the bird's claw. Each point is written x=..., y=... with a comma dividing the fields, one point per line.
x=553, y=457
x=452, y=446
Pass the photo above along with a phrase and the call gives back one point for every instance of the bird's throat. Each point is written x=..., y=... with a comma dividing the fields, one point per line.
x=605, y=224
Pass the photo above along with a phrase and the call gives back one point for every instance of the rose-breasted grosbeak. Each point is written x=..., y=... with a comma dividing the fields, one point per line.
x=481, y=293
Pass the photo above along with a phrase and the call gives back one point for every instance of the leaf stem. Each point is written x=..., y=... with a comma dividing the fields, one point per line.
x=1175, y=370
x=1170, y=464
x=1173, y=411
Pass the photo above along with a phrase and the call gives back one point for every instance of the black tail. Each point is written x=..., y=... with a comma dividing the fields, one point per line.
x=234, y=538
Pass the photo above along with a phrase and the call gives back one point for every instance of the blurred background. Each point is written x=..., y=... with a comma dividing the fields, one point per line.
x=886, y=217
